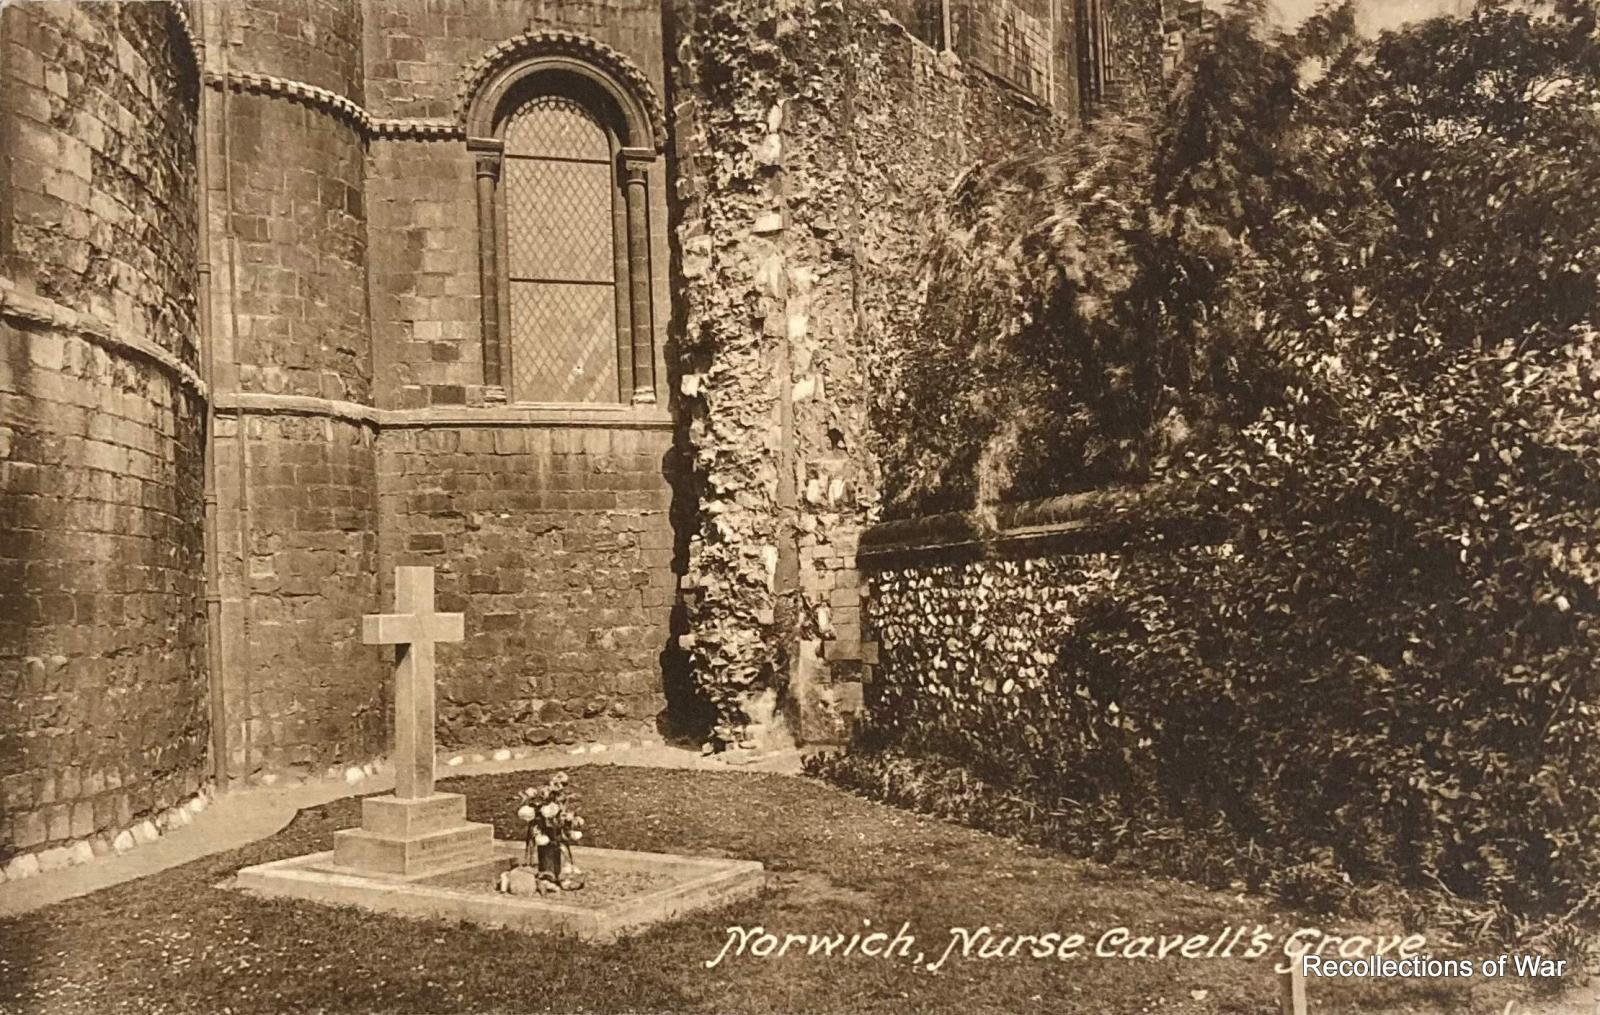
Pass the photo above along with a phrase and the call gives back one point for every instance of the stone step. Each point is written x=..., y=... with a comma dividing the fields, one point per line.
x=394, y=818
x=359, y=850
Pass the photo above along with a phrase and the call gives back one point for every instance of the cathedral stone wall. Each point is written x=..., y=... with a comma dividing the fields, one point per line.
x=103, y=697
x=1028, y=44
x=554, y=543
x=318, y=42
x=417, y=53
x=423, y=229
x=305, y=692
x=548, y=527
x=296, y=459
x=597, y=550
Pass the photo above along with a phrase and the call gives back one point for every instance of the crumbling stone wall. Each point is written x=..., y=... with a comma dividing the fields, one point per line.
x=103, y=697
x=968, y=624
x=730, y=84
x=297, y=472
x=1139, y=48
x=810, y=137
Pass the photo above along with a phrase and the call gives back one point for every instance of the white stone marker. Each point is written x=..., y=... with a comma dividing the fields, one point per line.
x=415, y=832
x=1292, y=989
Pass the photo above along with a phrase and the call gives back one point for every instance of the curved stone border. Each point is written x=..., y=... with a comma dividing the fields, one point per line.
x=338, y=106
x=545, y=42
x=180, y=16
x=26, y=865
x=396, y=128
x=42, y=311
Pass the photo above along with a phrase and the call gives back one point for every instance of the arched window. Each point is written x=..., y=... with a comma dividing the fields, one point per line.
x=562, y=213
x=564, y=235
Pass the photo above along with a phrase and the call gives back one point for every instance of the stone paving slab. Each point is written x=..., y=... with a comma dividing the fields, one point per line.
x=693, y=883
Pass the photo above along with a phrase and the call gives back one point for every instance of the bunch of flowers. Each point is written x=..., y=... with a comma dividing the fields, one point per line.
x=551, y=816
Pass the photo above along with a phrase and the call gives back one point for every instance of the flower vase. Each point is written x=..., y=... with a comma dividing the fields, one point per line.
x=550, y=860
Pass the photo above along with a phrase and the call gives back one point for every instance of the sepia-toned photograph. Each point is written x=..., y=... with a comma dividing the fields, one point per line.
x=800, y=507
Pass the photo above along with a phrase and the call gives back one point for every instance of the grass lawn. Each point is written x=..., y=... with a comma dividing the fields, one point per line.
x=176, y=942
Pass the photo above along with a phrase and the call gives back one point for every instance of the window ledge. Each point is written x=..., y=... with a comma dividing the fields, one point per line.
x=636, y=417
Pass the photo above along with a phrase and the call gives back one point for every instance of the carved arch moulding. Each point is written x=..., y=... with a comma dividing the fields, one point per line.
x=620, y=95
x=489, y=78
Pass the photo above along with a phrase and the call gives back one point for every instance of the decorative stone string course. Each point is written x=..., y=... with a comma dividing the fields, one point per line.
x=38, y=310
x=334, y=104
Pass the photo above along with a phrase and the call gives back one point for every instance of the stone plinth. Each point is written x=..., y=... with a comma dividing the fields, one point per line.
x=412, y=838
x=676, y=885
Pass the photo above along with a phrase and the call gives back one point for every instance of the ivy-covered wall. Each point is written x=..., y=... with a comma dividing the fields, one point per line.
x=811, y=137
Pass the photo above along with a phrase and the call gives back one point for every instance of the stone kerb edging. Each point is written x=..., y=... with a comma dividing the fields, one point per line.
x=1076, y=522
x=338, y=106
x=86, y=850
x=36, y=310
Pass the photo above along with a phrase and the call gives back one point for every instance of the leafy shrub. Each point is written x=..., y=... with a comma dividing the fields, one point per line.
x=1346, y=290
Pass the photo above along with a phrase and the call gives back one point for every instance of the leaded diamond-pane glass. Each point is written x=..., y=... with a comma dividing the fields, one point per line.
x=561, y=270
x=558, y=220
x=556, y=127
x=564, y=342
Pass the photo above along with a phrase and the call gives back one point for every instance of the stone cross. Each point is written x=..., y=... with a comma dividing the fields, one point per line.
x=414, y=628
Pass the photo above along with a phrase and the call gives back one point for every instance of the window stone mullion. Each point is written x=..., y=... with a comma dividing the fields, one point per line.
x=488, y=156
x=636, y=192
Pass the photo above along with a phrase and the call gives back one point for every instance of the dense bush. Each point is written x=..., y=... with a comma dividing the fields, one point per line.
x=1346, y=289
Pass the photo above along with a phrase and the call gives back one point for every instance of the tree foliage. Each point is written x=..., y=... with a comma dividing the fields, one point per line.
x=1347, y=289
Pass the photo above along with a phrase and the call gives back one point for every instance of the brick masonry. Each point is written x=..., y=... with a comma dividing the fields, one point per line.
x=297, y=537
x=416, y=52
x=553, y=539
x=1024, y=43
x=103, y=700
x=302, y=691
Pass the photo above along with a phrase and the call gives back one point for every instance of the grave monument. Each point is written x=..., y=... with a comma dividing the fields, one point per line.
x=415, y=832
x=416, y=854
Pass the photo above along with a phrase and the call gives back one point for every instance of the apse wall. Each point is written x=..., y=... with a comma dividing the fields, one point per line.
x=295, y=439
x=103, y=691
